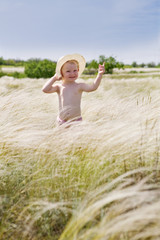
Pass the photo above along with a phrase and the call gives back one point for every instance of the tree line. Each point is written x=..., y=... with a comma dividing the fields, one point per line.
x=37, y=68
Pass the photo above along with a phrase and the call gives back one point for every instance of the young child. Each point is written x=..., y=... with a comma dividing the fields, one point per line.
x=68, y=69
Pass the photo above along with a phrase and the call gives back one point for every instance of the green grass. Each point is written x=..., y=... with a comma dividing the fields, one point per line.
x=96, y=180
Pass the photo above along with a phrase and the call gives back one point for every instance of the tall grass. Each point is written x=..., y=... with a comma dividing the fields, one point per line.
x=98, y=179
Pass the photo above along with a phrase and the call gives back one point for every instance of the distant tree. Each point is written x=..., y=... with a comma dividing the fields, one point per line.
x=142, y=65
x=93, y=64
x=134, y=64
x=120, y=65
x=1, y=61
x=151, y=65
x=102, y=59
x=158, y=65
x=110, y=63
x=10, y=62
x=19, y=62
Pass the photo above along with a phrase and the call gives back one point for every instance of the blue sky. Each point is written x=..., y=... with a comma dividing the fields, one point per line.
x=128, y=30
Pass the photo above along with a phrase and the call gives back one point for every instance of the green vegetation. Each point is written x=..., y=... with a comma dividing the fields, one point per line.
x=13, y=74
x=110, y=64
x=40, y=69
x=37, y=68
x=11, y=62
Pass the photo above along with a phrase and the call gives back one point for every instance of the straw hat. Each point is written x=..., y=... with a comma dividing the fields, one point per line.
x=80, y=59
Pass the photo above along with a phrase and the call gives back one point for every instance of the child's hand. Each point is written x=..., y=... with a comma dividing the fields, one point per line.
x=101, y=68
x=57, y=78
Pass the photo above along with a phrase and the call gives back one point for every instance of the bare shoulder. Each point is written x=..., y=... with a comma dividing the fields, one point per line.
x=81, y=86
x=54, y=88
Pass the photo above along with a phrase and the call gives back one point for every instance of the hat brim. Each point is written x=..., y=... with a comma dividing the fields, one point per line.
x=80, y=59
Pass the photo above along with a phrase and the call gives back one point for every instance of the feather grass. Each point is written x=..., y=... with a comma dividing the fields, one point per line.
x=98, y=179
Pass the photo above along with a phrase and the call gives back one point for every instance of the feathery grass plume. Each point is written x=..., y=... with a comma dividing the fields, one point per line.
x=35, y=212
x=123, y=212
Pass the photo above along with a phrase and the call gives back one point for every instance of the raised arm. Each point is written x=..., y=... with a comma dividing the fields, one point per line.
x=92, y=87
x=48, y=88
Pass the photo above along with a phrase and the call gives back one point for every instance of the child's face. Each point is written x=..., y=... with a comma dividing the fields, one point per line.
x=69, y=71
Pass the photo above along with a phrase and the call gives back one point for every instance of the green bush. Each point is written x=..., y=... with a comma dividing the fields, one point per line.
x=110, y=63
x=134, y=64
x=2, y=74
x=92, y=65
x=36, y=68
x=151, y=65
x=1, y=61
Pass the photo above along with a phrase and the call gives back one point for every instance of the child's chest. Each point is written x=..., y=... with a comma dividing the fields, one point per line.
x=70, y=92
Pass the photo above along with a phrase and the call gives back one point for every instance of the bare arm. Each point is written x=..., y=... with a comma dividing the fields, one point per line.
x=48, y=88
x=92, y=87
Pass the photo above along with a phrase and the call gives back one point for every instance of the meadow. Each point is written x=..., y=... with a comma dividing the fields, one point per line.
x=96, y=180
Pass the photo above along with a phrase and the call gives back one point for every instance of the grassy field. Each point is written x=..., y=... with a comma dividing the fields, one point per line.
x=96, y=180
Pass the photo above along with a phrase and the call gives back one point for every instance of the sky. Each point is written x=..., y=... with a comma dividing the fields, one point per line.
x=128, y=30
